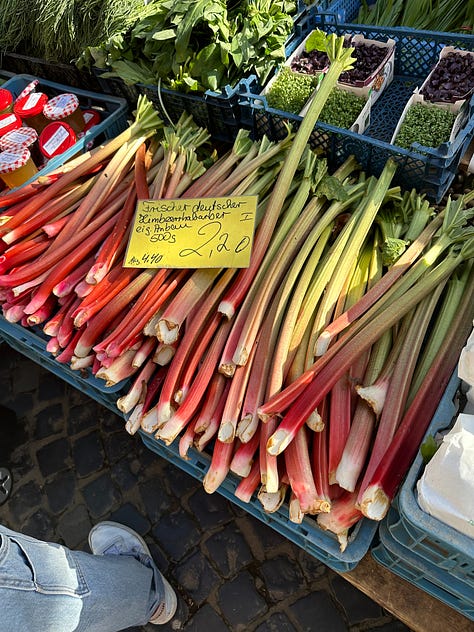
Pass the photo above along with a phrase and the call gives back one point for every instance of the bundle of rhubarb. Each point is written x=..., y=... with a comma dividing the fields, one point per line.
x=313, y=373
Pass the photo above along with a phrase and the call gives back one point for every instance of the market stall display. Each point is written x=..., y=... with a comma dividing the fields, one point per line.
x=299, y=384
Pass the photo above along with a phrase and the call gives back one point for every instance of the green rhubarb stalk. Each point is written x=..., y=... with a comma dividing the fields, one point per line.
x=322, y=273
x=330, y=370
x=341, y=400
x=386, y=292
x=400, y=380
x=453, y=222
x=340, y=60
x=456, y=287
x=376, y=498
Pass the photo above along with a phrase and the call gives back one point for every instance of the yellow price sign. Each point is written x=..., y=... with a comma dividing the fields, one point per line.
x=192, y=233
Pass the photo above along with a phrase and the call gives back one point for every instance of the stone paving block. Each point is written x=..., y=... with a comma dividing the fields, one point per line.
x=110, y=422
x=88, y=454
x=206, y=619
x=179, y=481
x=117, y=445
x=15, y=433
x=40, y=525
x=24, y=499
x=277, y=622
x=122, y=475
x=83, y=416
x=156, y=500
x=49, y=421
x=197, y=577
x=312, y=567
x=21, y=463
x=26, y=379
x=264, y=535
x=228, y=550
x=129, y=515
x=318, y=608
x=240, y=602
x=177, y=533
x=53, y=457
x=101, y=496
x=50, y=387
x=60, y=491
x=282, y=576
x=74, y=526
x=356, y=606
x=22, y=403
x=210, y=509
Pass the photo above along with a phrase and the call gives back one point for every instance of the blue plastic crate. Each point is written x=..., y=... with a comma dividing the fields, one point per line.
x=32, y=344
x=344, y=10
x=426, y=169
x=113, y=111
x=420, y=572
x=65, y=74
x=321, y=544
x=442, y=545
x=218, y=112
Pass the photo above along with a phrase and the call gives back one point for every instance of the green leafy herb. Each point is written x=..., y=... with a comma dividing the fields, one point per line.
x=427, y=125
x=342, y=108
x=290, y=90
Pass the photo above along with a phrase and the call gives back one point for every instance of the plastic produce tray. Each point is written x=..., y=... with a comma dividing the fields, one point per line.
x=321, y=544
x=218, y=112
x=443, y=546
x=67, y=74
x=428, y=170
x=32, y=344
x=113, y=110
x=420, y=572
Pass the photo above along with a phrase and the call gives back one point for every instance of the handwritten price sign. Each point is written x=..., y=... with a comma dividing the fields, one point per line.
x=192, y=233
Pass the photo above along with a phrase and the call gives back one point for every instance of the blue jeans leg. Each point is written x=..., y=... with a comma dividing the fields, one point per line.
x=46, y=587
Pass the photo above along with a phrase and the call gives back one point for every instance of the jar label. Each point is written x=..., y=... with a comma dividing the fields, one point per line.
x=31, y=101
x=8, y=120
x=56, y=140
x=8, y=158
x=16, y=137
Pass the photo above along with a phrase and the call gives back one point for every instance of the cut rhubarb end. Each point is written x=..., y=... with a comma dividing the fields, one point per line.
x=133, y=422
x=167, y=331
x=164, y=411
x=241, y=356
x=272, y=481
x=315, y=422
x=373, y=395
x=322, y=344
x=227, y=369
x=278, y=442
x=246, y=428
x=226, y=432
x=96, y=273
x=149, y=422
x=295, y=513
x=374, y=503
x=227, y=309
x=271, y=502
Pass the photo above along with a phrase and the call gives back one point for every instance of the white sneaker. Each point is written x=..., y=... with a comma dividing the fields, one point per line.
x=113, y=538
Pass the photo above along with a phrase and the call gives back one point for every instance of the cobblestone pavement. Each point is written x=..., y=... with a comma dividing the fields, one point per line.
x=73, y=465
